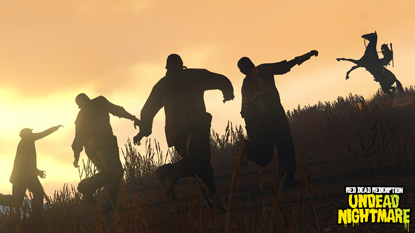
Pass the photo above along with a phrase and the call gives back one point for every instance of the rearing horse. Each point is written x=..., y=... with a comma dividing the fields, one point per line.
x=370, y=60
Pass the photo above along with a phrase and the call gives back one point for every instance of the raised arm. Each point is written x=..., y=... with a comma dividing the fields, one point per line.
x=37, y=136
x=285, y=66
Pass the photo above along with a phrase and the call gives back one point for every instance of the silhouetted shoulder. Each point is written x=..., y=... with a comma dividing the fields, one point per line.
x=196, y=71
x=100, y=99
x=162, y=83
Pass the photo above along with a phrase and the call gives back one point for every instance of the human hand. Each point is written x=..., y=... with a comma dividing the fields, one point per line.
x=75, y=164
x=76, y=160
x=41, y=174
x=228, y=97
x=313, y=53
x=137, y=139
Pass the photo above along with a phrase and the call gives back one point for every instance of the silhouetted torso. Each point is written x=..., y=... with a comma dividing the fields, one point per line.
x=25, y=161
x=260, y=97
x=387, y=57
x=181, y=95
x=25, y=167
x=93, y=120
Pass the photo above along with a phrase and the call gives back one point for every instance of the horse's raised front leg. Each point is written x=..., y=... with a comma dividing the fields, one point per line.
x=348, y=72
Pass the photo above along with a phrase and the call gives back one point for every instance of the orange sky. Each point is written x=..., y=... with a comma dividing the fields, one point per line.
x=52, y=50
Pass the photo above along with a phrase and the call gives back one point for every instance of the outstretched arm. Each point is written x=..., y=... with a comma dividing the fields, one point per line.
x=285, y=66
x=37, y=136
x=300, y=59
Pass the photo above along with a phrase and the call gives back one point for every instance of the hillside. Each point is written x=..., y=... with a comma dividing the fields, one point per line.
x=347, y=142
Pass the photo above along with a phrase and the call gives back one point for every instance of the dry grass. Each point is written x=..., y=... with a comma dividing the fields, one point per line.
x=348, y=141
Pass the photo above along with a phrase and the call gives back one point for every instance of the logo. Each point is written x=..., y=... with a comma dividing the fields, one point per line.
x=374, y=205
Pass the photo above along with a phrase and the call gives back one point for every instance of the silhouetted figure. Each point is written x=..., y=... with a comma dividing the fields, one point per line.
x=94, y=132
x=370, y=60
x=265, y=120
x=187, y=128
x=25, y=172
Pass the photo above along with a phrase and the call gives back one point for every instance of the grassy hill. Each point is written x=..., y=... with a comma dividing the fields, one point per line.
x=348, y=142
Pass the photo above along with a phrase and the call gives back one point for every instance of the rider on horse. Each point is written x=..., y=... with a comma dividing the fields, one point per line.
x=370, y=60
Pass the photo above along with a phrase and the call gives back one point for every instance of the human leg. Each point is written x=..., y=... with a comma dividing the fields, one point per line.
x=6, y=200
x=194, y=147
x=16, y=199
x=37, y=190
x=104, y=154
x=286, y=151
x=18, y=193
x=260, y=151
x=259, y=147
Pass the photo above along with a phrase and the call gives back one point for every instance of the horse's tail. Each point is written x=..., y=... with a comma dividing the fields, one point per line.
x=399, y=86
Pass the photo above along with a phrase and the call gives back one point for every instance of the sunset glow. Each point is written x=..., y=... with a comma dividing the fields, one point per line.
x=53, y=50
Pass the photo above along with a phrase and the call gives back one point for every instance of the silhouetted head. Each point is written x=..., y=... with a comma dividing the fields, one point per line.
x=25, y=132
x=82, y=99
x=245, y=65
x=384, y=48
x=174, y=62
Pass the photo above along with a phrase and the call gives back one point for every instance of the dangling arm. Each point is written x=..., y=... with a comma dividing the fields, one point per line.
x=77, y=145
x=122, y=113
x=153, y=104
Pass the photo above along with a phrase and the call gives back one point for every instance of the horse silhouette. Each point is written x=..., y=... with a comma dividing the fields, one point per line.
x=371, y=62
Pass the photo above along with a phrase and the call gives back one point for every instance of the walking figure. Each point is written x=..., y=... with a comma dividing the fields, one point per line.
x=265, y=119
x=25, y=172
x=94, y=133
x=371, y=62
x=187, y=128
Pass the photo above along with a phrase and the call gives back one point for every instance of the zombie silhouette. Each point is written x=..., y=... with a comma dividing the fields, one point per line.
x=370, y=60
x=25, y=172
x=265, y=120
x=94, y=133
x=180, y=92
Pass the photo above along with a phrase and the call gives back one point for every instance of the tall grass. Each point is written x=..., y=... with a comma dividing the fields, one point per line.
x=334, y=141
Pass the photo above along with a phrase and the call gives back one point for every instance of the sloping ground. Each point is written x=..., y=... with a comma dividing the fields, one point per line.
x=251, y=200
x=349, y=142
x=358, y=144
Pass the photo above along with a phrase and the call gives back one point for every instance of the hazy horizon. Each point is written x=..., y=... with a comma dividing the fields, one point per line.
x=51, y=51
